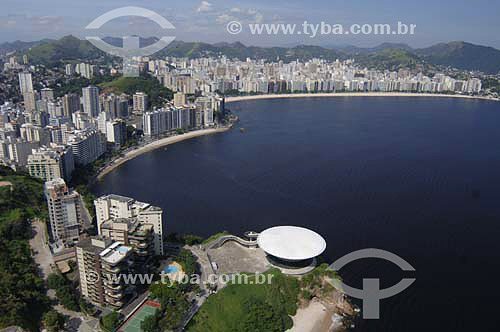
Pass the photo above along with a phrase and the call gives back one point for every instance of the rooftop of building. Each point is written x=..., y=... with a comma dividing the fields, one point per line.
x=133, y=225
x=115, y=253
x=152, y=208
x=118, y=198
x=55, y=183
x=87, y=244
x=291, y=243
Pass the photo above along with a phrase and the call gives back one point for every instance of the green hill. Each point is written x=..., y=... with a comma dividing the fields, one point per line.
x=65, y=49
x=463, y=55
x=157, y=93
x=385, y=56
x=389, y=58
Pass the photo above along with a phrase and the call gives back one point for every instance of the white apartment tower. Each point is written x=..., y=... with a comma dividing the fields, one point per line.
x=51, y=163
x=25, y=82
x=87, y=146
x=112, y=207
x=65, y=212
x=140, y=102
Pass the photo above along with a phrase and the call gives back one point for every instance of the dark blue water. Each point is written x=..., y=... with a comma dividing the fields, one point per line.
x=419, y=177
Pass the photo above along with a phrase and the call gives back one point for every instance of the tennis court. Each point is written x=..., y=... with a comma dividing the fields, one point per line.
x=133, y=324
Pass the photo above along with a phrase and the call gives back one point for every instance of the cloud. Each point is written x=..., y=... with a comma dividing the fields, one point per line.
x=26, y=22
x=204, y=7
x=224, y=18
x=250, y=15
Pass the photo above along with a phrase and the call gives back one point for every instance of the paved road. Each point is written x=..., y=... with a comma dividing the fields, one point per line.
x=39, y=245
x=43, y=258
x=87, y=219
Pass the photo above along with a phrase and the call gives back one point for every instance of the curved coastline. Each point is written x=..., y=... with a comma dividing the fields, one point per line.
x=202, y=132
x=351, y=94
x=156, y=145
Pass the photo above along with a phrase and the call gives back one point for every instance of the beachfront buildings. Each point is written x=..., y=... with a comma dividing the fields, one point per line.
x=116, y=131
x=99, y=260
x=112, y=207
x=51, y=163
x=65, y=212
x=86, y=145
x=232, y=76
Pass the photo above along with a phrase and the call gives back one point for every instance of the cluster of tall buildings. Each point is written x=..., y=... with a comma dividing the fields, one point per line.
x=83, y=69
x=181, y=115
x=130, y=235
x=259, y=77
x=32, y=137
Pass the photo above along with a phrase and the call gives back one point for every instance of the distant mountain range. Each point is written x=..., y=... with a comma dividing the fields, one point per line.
x=462, y=55
x=18, y=45
x=392, y=56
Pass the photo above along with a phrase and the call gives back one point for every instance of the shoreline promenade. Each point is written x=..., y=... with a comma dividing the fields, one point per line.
x=351, y=94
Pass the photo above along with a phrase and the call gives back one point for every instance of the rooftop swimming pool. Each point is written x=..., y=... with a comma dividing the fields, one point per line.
x=171, y=269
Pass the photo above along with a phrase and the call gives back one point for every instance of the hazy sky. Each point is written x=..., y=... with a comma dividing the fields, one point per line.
x=437, y=20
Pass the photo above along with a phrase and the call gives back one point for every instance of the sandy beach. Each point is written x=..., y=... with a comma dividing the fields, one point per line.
x=313, y=318
x=156, y=145
x=352, y=94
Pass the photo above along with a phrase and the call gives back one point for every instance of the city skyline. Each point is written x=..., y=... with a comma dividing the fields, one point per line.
x=206, y=21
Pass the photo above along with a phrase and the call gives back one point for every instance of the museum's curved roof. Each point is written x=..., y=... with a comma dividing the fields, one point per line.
x=291, y=243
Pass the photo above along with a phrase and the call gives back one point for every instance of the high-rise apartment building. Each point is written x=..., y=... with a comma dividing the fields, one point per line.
x=29, y=101
x=91, y=101
x=131, y=232
x=116, y=132
x=47, y=94
x=85, y=70
x=70, y=69
x=71, y=104
x=140, y=102
x=25, y=82
x=51, y=163
x=65, y=212
x=87, y=146
x=98, y=260
x=112, y=207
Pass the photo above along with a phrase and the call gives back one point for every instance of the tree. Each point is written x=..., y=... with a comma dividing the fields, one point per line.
x=150, y=323
x=55, y=281
x=68, y=297
x=260, y=317
x=190, y=239
x=111, y=321
x=53, y=321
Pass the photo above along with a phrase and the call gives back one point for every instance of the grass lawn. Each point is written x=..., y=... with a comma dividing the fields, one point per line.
x=250, y=307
